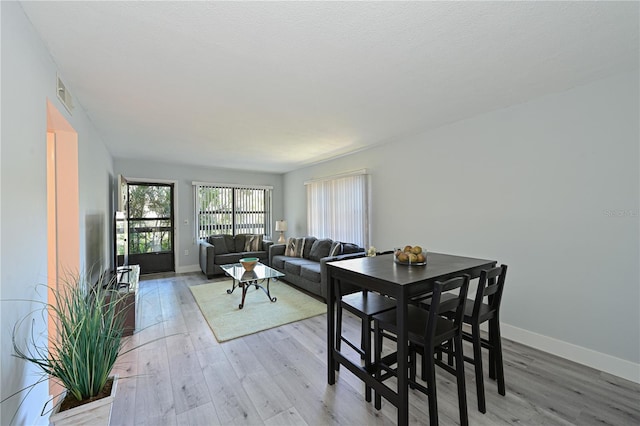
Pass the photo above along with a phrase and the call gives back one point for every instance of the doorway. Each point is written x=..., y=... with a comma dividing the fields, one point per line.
x=150, y=219
x=63, y=215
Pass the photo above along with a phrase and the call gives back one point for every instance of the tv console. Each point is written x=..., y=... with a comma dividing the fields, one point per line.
x=127, y=287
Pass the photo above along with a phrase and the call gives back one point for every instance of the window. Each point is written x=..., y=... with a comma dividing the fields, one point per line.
x=338, y=208
x=150, y=217
x=232, y=209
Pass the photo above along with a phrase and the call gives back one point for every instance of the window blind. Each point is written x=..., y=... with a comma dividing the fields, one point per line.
x=338, y=208
x=232, y=209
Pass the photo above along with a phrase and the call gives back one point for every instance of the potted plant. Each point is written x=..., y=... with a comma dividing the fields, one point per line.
x=88, y=322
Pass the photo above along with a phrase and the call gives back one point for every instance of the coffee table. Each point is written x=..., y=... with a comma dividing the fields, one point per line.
x=244, y=279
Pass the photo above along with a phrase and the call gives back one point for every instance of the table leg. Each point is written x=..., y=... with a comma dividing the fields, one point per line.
x=331, y=334
x=273, y=299
x=403, y=365
x=244, y=286
x=233, y=286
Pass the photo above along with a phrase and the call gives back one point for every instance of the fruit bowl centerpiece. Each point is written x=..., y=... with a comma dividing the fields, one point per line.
x=248, y=263
x=410, y=255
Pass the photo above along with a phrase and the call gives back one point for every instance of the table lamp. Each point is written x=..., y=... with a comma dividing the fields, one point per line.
x=281, y=226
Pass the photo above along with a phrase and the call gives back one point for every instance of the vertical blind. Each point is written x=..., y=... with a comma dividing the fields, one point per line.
x=232, y=209
x=338, y=208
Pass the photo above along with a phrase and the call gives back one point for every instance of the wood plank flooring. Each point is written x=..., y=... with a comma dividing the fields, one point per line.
x=278, y=377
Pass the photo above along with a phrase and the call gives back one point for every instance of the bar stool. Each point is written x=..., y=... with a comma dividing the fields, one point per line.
x=364, y=305
x=485, y=307
x=427, y=330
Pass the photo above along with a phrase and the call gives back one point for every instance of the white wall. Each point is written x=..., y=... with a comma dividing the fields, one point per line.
x=28, y=79
x=550, y=188
x=185, y=175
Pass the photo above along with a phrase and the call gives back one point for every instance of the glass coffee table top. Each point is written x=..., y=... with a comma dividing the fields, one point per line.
x=244, y=279
x=260, y=272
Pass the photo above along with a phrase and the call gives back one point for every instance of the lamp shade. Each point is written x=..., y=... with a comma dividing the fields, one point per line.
x=281, y=225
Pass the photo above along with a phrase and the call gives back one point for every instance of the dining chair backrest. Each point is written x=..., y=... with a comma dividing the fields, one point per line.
x=490, y=287
x=441, y=305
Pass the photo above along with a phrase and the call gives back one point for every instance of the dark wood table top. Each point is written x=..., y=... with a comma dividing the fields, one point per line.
x=385, y=271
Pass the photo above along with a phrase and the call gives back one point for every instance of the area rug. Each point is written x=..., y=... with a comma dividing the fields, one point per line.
x=228, y=322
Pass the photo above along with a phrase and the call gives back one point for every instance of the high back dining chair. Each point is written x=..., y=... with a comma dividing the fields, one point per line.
x=364, y=305
x=427, y=330
x=485, y=307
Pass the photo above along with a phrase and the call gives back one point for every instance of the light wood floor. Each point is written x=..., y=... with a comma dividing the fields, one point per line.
x=278, y=377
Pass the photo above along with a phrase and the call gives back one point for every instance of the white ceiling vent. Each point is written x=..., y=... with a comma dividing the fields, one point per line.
x=64, y=95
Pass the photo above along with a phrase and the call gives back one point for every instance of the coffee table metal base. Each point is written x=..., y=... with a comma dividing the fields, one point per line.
x=245, y=286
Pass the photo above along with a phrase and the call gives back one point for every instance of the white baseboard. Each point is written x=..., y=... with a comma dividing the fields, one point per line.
x=187, y=268
x=610, y=364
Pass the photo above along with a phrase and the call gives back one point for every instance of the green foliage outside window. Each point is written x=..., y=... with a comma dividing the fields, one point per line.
x=150, y=227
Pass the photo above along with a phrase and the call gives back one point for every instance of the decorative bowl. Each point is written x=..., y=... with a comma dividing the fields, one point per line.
x=248, y=263
x=409, y=256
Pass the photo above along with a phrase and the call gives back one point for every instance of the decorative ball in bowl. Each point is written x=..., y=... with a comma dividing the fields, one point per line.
x=410, y=255
x=248, y=263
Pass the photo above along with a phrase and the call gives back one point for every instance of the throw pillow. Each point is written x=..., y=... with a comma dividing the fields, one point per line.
x=253, y=243
x=240, y=240
x=320, y=249
x=351, y=248
x=306, y=248
x=336, y=248
x=294, y=247
x=219, y=245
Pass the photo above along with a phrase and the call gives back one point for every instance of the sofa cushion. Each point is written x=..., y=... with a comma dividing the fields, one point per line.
x=295, y=247
x=278, y=261
x=240, y=241
x=320, y=249
x=306, y=247
x=311, y=272
x=348, y=248
x=219, y=244
x=336, y=248
x=259, y=253
x=253, y=243
x=230, y=242
x=224, y=259
x=293, y=265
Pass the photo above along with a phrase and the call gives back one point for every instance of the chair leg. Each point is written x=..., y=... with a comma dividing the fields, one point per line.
x=497, y=348
x=429, y=374
x=365, y=343
x=338, y=330
x=425, y=360
x=413, y=366
x=377, y=356
x=462, y=392
x=364, y=327
x=492, y=354
x=477, y=362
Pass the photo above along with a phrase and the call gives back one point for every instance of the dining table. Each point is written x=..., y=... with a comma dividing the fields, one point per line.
x=403, y=283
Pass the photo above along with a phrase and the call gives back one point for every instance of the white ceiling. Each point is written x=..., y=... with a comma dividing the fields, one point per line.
x=274, y=86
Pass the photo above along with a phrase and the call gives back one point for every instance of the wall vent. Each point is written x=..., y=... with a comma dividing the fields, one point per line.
x=64, y=95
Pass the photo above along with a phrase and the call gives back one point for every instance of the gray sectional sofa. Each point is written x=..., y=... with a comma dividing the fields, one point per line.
x=304, y=261
x=219, y=250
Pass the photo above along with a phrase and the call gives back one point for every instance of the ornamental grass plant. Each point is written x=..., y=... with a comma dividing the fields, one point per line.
x=88, y=321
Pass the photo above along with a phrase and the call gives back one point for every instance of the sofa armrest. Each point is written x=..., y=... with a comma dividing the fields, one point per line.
x=276, y=250
x=324, y=273
x=266, y=244
x=207, y=258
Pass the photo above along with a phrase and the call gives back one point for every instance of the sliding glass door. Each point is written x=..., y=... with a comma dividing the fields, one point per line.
x=151, y=226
